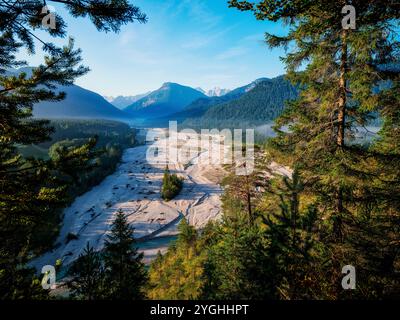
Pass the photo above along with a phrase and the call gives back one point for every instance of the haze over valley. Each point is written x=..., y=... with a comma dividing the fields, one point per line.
x=199, y=150
x=253, y=104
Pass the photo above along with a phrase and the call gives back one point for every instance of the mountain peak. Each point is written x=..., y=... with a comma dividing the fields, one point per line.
x=217, y=92
x=122, y=102
x=170, y=84
x=170, y=98
x=261, y=80
x=79, y=103
x=201, y=90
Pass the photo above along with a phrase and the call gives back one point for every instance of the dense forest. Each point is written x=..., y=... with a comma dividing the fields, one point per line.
x=282, y=236
x=263, y=103
x=107, y=140
x=34, y=190
x=289, y=237
x=108, y=133
x=111, y=139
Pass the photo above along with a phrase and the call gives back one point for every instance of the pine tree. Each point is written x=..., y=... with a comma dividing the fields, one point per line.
x=29, y=189
x=179, y=273
x=125, y=273
x=237, y=267
x=187, y=233
x=88, y=277
x=337, y=95
x=248, y=188
x=347, y=78
x=296, y=256
x=171, y=185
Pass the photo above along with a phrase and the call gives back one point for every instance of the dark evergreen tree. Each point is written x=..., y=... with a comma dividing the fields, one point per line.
x=171, y=186
x=125, y=272
x=88, y=277
x=237, y=267
x=29, y=188
x=187, y=233
x=347, y=77
x=298, y=261
x=179, y=273
x=337, y=97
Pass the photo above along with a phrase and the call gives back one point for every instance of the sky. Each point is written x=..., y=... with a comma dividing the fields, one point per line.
x=198, y=43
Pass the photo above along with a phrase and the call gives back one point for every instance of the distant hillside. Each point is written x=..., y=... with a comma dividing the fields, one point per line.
x=261, y=101
x=169, y=99
x=121, y=102
x=109, y=132
x=199, y=107
x=215, y=92
x=79, y=103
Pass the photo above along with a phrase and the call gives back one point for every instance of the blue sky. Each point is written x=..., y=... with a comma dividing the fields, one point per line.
x=199, y=43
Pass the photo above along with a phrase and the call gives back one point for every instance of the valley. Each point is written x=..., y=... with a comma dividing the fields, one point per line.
x=200, y=150
x=134, y=189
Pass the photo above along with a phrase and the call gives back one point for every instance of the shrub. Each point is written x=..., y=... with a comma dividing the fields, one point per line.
x=172, y=185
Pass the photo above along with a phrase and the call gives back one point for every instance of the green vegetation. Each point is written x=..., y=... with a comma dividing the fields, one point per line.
x=179, y=273
x=291, y=238
x=87, y=274
x=112, y=138
x=124, y=269
x=34, y=151
x=108, y=132
x=32, y=189
x=171, y=186
x=116, y=273
x=281, y=237
x=69, y=137
x=264, y=103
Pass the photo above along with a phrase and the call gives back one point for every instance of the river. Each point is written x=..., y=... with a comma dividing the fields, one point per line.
x=134, y=189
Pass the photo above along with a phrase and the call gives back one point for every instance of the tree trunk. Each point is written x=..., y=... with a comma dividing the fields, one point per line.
x=294, y=211
x=338, y=224
x=249, y=208
x=248, y=199
x=342, y=88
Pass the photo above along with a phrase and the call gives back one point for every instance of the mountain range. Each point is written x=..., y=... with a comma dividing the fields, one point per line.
x=198, y=107
x=261, y=101
x=258, y=102
x=215, y=92
x=167, y=100
x=122, y=102
x=78, y=103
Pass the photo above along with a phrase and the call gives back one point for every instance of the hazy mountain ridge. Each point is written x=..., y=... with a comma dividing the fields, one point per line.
x=168, y=99
x=78, y=103
x=214, y=92
x=121, y=102
x=199, y=107
x=261, y=101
